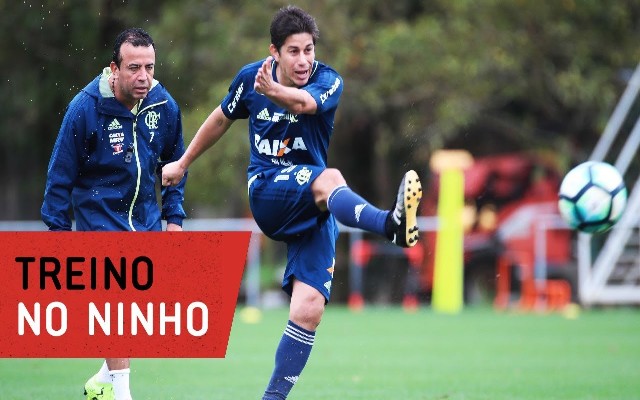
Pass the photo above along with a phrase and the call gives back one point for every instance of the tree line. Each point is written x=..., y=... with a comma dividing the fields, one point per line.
x=488, y=76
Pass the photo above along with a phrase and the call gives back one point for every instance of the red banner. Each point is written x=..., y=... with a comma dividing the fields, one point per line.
x=119, y=294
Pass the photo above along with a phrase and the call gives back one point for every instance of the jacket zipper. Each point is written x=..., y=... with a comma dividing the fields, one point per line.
x=139, y=168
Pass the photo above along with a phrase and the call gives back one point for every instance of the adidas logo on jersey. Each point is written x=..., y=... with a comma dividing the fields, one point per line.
x=264, y=115
x=114, y=125
x=358, y=211
x=291, y=379
x=277, y=117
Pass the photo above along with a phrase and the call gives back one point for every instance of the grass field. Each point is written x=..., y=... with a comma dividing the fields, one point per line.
x=384, y=353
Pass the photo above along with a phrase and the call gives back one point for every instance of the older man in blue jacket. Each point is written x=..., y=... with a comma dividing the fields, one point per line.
x=116, y=135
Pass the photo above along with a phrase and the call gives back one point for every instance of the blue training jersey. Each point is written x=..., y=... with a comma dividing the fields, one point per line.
x=278, y=138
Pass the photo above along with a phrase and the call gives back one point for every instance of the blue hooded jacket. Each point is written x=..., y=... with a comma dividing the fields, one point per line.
x=106, y=158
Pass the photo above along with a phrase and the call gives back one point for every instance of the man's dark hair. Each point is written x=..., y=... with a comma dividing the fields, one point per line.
x=135, y=36
x=289, y=21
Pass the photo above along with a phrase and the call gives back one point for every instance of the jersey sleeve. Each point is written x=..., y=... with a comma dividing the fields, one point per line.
x=233, y=105
x=325, y=88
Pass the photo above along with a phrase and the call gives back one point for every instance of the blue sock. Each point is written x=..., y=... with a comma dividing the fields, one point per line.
x=291, y=357
x=352, y=210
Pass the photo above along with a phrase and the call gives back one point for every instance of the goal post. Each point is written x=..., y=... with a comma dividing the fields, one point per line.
x=448, y=269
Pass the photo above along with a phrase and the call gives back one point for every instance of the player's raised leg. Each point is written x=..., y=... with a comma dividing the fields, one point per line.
x=400, y=225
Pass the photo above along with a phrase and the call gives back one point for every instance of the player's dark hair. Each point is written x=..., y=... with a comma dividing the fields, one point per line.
x=135, y=36
x=290, y=20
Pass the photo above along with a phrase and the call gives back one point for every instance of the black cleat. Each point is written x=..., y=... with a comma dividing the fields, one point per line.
x=405, y=213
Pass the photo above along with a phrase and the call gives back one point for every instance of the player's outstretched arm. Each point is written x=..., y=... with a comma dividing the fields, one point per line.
x=209, y=133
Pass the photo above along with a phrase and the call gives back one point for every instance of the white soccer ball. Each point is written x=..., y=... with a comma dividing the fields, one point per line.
x=592, y=197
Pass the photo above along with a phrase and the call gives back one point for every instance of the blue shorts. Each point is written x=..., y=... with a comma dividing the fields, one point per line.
x=283, y=207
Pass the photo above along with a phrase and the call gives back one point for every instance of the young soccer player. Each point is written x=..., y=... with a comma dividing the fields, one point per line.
x=290, y=100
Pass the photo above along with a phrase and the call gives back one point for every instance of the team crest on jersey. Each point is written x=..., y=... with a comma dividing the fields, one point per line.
x=151, y=119
x=303, y=176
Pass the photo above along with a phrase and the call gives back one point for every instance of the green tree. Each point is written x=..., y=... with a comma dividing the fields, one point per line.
x=490, y=77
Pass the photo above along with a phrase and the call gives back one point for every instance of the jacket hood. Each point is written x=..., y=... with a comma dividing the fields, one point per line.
x=100, y=90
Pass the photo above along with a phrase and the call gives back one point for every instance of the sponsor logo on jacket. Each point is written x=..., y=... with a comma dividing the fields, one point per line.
x=116, y=137
x=115, y=124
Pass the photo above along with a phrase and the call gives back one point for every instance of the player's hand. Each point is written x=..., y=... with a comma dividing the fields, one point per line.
x=174, y=228
x=172, y=174
x=264, y=80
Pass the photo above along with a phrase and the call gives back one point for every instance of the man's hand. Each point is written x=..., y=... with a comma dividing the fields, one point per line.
x=264, y=81
x=172, y=174
x=174, y=228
